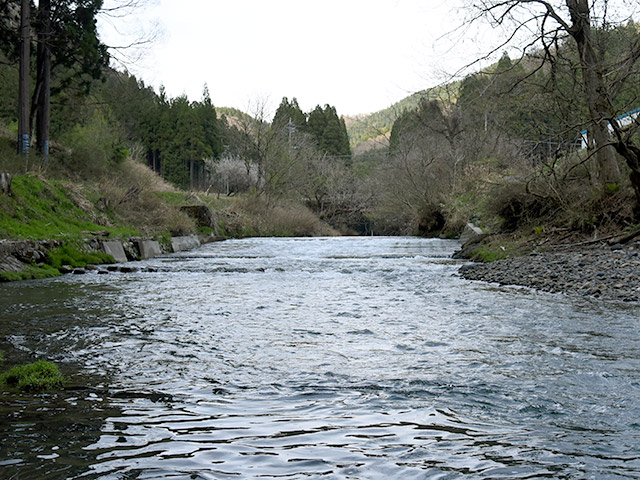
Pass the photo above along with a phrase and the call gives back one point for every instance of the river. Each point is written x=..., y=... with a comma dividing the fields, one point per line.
x=333, y=358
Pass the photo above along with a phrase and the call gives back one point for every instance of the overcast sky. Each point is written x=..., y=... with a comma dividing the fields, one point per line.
x=358, y=55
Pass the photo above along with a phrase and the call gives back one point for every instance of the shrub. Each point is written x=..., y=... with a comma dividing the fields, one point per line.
x=133, y=194
x=256, y=217
x=34, y=377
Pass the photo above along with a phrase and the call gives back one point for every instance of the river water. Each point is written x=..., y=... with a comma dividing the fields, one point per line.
x=336, y=358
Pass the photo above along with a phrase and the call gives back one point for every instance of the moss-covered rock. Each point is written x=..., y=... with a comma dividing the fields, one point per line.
x=34, y=377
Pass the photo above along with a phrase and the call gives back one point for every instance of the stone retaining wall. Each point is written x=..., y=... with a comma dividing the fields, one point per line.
x=18, y=255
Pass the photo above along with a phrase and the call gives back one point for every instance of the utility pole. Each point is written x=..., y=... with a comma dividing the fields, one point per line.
x=291, y=128
x=23, y=94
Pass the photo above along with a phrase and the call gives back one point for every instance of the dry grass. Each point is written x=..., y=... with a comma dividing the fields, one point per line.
x=253, y=216
x=130, y=195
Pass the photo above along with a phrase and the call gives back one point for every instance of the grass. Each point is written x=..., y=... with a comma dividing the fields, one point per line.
x=39, y=210
x=34, y=377
x=498, y=247
x=31, y=273
x=73, y=256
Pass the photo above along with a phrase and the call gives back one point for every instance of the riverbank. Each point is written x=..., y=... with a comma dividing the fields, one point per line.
x=132, y=216
x=610, y=272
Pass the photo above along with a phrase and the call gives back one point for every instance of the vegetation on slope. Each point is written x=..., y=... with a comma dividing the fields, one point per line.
x=501, y=148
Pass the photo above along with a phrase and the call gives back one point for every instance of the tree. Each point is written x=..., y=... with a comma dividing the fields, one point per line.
x=424, y=156
x=329, y=131
x=290, y=115
x=602, y=78
x=67, y=41
x=23, y=95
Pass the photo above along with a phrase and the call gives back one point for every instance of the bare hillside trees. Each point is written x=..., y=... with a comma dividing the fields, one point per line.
x=604, y=70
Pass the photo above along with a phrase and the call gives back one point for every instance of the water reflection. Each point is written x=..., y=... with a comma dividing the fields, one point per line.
x=333, y=358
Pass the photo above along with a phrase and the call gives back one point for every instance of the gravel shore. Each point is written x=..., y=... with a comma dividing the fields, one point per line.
x=607, y=272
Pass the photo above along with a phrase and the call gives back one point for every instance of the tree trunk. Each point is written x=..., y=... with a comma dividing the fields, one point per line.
x=596, y=93
x=23, y=94
x=631, y=154
x=44, y=80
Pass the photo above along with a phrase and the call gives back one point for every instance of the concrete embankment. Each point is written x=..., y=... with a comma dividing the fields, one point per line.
x=19, y=255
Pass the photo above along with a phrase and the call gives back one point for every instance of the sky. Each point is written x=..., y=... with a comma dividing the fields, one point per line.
x=360, y=56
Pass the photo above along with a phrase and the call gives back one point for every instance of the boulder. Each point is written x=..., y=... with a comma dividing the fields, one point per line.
x=471, y=233
x=5, y=183
x=469, y=239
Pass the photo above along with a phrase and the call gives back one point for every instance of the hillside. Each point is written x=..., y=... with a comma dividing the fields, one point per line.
x=371, y=131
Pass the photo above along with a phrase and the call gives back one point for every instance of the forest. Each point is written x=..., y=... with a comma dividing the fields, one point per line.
x=543, y=144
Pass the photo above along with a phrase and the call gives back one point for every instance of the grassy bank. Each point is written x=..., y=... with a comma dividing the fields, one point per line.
x=62, y=218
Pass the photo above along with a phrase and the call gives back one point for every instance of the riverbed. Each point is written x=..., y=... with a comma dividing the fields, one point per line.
x=336, y=358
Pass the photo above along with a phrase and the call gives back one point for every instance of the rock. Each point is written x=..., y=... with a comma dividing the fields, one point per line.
x=469, y=239
x=5, y=183
x=79, y=271
x=594, y=271
x=470, y=233
x=202, y=216
x=128, y=269
x=100, y=233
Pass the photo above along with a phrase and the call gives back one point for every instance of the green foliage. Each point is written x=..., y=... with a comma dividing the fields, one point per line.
x=366, y=127
x=33, y=272
x=8, y=89
x=290, y=112
x=611, y=188
x=329, y=131
x=40, y=210
x=34, y=377
x=485, y=254
x=75, y=45
x=73, y=256
x=95, y=145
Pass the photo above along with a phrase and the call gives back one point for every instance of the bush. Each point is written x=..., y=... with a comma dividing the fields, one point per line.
x=135, y=195
x=255, y=217
x=34, y=377
x=94, y=147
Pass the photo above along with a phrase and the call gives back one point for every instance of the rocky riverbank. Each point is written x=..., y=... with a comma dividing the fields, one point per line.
x=605, y=271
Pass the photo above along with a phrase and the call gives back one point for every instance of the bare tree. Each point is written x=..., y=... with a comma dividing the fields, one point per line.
x=545, y=25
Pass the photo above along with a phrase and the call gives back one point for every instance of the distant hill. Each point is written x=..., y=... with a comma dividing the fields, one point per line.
x=233, y=115
x=371, y=131
x=368, y=131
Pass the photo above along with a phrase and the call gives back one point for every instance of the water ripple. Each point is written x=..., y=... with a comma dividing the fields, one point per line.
x=345, y=358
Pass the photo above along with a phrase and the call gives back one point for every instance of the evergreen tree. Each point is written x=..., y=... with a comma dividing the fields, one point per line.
x=290, y=112
x=317, y=122
x=329, y=131
x=208, y=119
